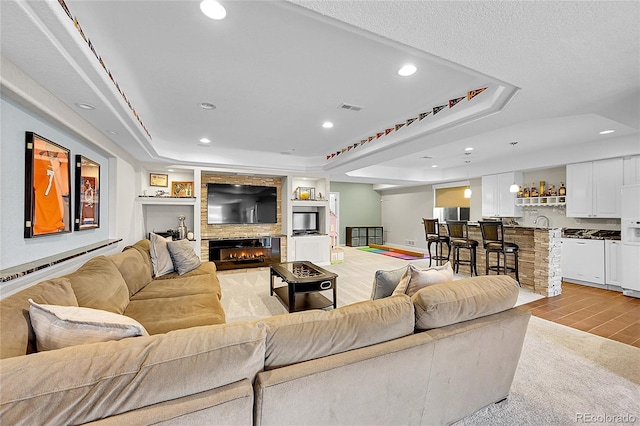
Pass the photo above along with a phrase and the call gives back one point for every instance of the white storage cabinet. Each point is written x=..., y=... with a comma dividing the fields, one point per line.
x=583, y=260
x=497, y=200
x=593, y=188
x=613, y=262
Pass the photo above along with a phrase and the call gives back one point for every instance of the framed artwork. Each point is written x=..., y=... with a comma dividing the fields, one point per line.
x=87, y=194
x=47, y=195
x=157, y=179
x=182, y=189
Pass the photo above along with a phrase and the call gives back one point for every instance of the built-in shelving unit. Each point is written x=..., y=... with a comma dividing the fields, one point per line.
x=541, y=201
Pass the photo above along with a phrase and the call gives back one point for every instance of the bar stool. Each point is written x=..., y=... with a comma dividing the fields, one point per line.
x=432, y=233
x=459, y=236
x=493, y=242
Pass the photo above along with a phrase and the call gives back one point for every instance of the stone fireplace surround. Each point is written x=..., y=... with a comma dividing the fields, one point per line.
x=243, y=234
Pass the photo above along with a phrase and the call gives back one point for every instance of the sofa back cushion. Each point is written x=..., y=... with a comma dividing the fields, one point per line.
x=16, y=334
x=98, y=284
x=134, y=267
x=302, y=336
x=449, y=303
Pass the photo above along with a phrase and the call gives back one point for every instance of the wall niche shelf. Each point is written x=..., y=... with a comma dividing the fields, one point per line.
x=542, y=201
x=166, y=200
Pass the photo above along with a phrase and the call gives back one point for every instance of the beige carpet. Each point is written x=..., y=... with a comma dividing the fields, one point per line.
x=564, y=377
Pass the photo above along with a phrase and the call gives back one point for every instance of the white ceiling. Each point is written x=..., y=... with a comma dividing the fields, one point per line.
x=556, y=74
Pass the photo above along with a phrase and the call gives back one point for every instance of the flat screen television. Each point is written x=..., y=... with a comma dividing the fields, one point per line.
x=305, y=223
x=234, y=204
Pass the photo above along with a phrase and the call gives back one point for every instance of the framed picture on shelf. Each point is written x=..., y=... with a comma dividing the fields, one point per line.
x=47, y=207
x=87, y=194
x=182, y=188
x=158, y=179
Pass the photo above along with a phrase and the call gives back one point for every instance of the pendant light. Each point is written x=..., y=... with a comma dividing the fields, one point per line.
x=467, y=191
x=514, y=187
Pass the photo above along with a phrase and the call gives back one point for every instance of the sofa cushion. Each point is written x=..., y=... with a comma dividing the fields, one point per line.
x=415, y=278
x=204, y=269
x=58, y=327
x=83, y=383
x=174, y=313
x=134, y=268
x=384, y=282
x=180, y=286
x=302, y=336
x=449, y=303
x=183, y=256
x=16, y=333
x=160, y=257
x=98, y=284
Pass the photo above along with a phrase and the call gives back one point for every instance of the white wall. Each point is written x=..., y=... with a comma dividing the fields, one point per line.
x=402, y=213
x=14, y=248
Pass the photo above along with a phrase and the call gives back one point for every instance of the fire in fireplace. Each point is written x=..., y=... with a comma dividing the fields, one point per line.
x=244, y=252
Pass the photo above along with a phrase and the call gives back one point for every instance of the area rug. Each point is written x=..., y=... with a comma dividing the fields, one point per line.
x=392, y=253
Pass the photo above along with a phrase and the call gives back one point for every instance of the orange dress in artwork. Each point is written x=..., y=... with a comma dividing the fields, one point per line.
x=48, y=189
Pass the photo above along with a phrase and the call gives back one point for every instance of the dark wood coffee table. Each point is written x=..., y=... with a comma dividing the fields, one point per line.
x=304, y=281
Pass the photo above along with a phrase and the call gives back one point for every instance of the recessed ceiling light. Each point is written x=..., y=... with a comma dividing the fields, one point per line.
x=469, y=148
x=207, y=105
x=213, y=9
x=169, y=170
x=205, y=140
x=606, y=132
x=407, y=70
x=112, y=132
x=327, y=124
x=434, y=166
x=85, y=105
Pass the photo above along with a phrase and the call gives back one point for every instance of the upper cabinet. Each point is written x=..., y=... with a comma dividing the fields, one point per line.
x=632, y=170
x=593, y=188
x=497, y=200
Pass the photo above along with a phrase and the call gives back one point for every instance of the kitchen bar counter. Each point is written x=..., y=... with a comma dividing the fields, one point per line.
x=539, y=256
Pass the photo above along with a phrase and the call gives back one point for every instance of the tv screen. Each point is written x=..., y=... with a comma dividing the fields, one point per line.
x=305, y=223
x=233, y=204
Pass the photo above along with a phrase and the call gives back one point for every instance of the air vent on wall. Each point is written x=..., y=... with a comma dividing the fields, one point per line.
x=350, y=107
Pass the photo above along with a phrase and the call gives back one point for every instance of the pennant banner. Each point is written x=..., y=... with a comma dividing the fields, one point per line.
x=473, y=93
x=452, y=102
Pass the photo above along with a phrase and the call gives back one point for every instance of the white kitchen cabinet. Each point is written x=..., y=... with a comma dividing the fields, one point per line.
x=631, y=170
x=593, y=188
x=313, y=248
x=613, y=262
x=583, y=260
x=497, y=200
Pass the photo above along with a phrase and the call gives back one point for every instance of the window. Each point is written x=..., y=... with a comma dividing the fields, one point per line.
x=450, y=204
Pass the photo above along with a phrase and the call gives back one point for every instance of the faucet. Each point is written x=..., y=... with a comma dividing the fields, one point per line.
x=535, y=222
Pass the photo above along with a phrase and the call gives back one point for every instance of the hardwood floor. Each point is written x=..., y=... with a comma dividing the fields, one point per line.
x=605, y=313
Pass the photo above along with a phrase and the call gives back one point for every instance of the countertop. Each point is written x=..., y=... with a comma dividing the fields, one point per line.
x=591, y=234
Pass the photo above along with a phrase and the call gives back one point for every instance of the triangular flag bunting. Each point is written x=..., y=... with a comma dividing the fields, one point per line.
x=438, y=109
x=398, y=126
x=328, y=156
x=453, y=102
x=387, y=131
x=363, y=141
x=423, y=115
x=349, y=148
x=411, y=120
x=379, y=134
x=370, y=138
x=333, y=155
x=355, y=145
x=338, y=153
x=473, y=93
x=344, y=149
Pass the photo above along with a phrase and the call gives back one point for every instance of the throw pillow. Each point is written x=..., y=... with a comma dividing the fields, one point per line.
x=415, y=278
x=58, y=327
x=160, y=257
x=384, y=282
x=183, y=256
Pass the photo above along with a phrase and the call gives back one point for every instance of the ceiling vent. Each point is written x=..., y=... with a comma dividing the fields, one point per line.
x=350, y=107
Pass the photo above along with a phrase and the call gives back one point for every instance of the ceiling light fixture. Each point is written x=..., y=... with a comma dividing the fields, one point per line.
x=207, y=105
x=327, y=124
x=469, y=148
x=407, y=70
x=467, y=191
x=213, y=9
x=205, y=140
x=169, y=170
x=434, y=166
x=514, y=187
x=85, y=106
x=606, y=132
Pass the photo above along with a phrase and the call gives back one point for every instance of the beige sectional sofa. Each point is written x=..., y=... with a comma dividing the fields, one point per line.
x=373, y=362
